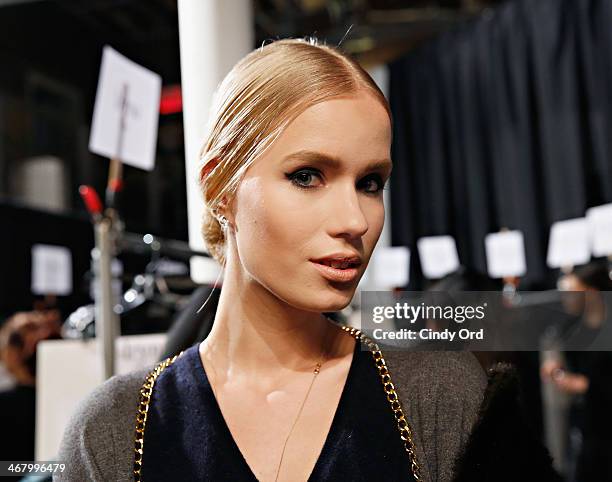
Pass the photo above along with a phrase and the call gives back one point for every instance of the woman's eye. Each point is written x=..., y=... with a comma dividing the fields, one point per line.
x=373, y=184
x=307, y=178
x=303, y=178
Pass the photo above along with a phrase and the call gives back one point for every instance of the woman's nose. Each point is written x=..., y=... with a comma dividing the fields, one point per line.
x=346, y=214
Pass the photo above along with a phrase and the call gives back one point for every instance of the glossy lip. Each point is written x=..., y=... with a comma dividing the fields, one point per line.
x=336, y=274
x=353, y=258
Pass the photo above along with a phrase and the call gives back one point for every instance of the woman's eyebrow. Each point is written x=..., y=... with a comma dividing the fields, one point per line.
x=314, y=157
x=333, y=162
x=380, y=165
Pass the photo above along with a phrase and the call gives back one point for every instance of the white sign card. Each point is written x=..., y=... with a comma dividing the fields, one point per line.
x=128, y=95
x=392, y=266
x=505, y=252
x=600, y=229
x=68, y=370
x=438, y=256
x=51, y=270
x=568, y=244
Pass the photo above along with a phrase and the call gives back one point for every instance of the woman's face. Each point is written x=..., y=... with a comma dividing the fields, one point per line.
x=316, y=193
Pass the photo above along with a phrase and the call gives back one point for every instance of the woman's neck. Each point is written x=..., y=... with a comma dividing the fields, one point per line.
x=256, y=336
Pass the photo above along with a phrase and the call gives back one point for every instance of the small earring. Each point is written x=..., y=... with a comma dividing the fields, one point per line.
x=223, y=221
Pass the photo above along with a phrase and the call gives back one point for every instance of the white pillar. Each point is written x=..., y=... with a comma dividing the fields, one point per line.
x=213, y=35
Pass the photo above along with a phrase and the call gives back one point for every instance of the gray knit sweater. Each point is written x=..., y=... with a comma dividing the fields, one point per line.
x=440, y=392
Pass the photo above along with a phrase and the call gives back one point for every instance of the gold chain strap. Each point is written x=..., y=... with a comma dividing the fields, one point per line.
x=383, y=371
x=393, y=398
x=143, y=409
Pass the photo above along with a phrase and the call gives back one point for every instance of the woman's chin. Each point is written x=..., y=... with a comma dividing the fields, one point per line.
x=335, y=301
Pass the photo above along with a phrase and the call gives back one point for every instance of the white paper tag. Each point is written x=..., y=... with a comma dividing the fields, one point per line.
x=123, y=80
x=51, y=270
x=600, y=229
x=505, y=253
x=569, y=243
x=391, y=266
x=438, y=255
x=68, y=370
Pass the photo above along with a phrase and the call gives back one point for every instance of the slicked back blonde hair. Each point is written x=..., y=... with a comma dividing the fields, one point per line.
x=253, y=104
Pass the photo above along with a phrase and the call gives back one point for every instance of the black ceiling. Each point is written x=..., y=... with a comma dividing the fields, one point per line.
x=64, y=38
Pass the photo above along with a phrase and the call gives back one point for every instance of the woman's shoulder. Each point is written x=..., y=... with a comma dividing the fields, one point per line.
x=98, y=442
x=445, y=388
x=441, y=393
x=458, y=374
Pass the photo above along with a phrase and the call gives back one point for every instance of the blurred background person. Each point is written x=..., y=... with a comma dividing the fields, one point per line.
x=19, y=336
x=586, y=375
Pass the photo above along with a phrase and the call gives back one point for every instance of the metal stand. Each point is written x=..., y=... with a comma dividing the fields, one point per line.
x=107, y=228
x=107, y=321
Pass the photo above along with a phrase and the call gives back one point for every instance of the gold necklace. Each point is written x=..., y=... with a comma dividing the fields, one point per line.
x=316, y=371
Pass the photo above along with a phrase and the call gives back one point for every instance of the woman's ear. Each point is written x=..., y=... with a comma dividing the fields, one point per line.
x=225, y=208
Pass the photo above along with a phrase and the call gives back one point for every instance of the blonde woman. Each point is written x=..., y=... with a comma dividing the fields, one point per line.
x=294, y=163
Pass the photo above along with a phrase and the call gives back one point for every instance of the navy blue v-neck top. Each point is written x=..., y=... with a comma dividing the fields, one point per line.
x=187, y=439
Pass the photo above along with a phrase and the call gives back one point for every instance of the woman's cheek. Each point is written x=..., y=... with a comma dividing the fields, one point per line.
x=375, y=223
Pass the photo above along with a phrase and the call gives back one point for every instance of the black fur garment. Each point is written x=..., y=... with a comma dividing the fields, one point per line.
x=502, y=446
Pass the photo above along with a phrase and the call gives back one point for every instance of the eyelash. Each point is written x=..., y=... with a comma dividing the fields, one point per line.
x=293, y=178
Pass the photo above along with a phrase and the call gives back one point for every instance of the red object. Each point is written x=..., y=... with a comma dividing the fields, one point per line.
x=116, y=185
x=171, y=100
x=91, y=199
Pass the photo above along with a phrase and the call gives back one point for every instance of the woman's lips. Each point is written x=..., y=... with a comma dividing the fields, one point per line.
x=336, y=274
